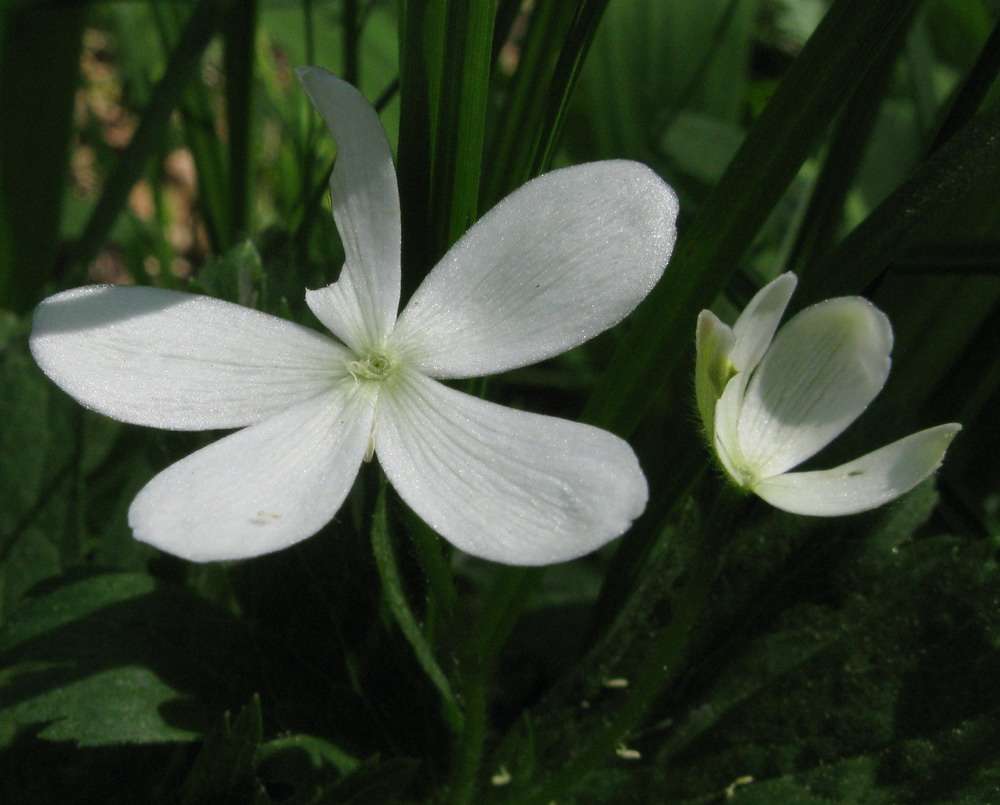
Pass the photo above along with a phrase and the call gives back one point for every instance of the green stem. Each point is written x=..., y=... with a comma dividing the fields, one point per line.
x=501, y=609
x=660, y=666
x=392, y=589
x=469, y=749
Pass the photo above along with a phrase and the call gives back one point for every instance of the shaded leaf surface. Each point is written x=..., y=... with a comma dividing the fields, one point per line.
x=120, y=657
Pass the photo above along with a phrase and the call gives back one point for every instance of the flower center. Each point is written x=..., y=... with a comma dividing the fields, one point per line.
x=375, y=365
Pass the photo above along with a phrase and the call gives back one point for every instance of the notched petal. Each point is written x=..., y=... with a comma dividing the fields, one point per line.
x=366, y=208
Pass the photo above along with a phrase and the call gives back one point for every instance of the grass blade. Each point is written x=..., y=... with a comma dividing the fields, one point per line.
x=34, y=143
x=182, y=67
x=849, y=39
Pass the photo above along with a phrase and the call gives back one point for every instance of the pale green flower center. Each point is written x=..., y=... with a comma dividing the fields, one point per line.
x=375, y=365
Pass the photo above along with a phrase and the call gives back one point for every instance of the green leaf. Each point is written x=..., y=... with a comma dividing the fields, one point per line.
x=304, y=762
x=960, y=167
x=120, y=658
x=651, y=65
x=226, y=762
x=38, y=459
x=236, y=276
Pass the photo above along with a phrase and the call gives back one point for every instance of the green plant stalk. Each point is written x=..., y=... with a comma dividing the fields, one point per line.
x=512, y=142
x=531, y=120
x=351, y=30
x=468, y=753
x=240, y=34
x=392, y=589
x=661, y=665
x=198, y=119
x=501, y=609
x=567, y=72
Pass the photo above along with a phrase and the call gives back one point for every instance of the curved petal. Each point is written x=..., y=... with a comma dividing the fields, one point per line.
x=361, y=306
x=176, y=360
x=726, y=433
x=502, y=484
x=863, y=484
x=712, y=367
x=821, y=371
x=754, y=329
x=558, y=261
x=262, y=488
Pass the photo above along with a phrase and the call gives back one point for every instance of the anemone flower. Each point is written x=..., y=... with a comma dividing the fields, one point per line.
x=555, y=263
x=768, y=402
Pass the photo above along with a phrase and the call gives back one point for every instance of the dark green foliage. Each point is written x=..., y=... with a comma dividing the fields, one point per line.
x=710, y=656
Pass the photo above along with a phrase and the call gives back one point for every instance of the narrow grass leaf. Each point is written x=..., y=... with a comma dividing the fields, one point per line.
x=444, y=78
x=39, y=72
x=847, y=41
x=182, y=68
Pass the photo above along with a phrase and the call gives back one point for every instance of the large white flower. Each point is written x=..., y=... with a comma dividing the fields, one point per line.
x=769, y=402
x=565, y=257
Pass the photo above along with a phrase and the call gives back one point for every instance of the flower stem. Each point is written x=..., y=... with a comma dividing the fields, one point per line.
x=501, y=609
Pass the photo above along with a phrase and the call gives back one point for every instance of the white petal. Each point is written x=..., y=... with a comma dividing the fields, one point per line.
x=863, y=484
x=713, y=367
x=726, y=436
x=755, y=328
x=361, y=306
x=502, y=484
x=822, y=370
x=558, y=261
x=262, y=488
x=175, y=360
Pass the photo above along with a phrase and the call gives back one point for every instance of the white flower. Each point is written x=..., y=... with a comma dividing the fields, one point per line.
x=769, y=402
x=565, y=257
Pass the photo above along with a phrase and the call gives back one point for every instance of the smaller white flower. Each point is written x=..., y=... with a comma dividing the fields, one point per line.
x=558, y=261
x=768, y=402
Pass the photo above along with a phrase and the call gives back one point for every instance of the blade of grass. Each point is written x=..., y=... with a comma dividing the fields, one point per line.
x=972, y=90
x=849, y=38
x=820, y=227
x=239, y=36
x=946, y=177
x=445, y=61
x=532, y=119
x=198, y=118
x=182, y=67
x=39, y=71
